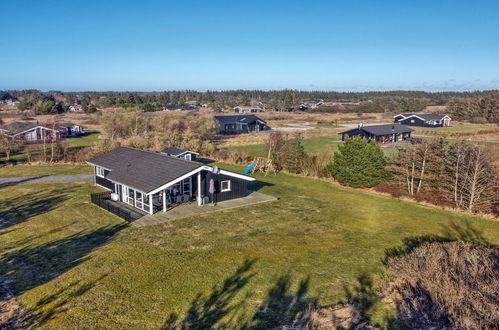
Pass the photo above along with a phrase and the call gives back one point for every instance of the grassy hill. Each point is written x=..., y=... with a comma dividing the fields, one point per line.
x=74, y=265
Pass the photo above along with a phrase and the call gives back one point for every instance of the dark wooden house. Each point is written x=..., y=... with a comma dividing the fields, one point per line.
x=380, y=133
x=181, y=153
x=423, y=119
x=32, y=132
x=238, y=124
x=152, y=181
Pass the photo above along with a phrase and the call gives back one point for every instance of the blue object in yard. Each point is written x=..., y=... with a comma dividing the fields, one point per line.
x=246, y=171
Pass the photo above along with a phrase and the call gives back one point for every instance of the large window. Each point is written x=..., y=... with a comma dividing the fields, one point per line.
x=187, y=156
x=225, y=185
x=99, y=171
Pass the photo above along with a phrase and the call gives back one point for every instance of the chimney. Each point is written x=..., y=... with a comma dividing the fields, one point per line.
x=393, y=128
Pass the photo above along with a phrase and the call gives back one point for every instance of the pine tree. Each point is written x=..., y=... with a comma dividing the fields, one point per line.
x=358, y=163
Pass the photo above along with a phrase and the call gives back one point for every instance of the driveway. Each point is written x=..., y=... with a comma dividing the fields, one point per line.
x=47, y=178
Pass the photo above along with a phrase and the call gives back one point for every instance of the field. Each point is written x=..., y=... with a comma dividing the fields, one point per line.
x=311, y=145
x=73, y=265
x=44, y=169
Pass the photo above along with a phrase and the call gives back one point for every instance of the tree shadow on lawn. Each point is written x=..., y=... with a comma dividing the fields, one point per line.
x=19, y=209
x=39, y=314
x=34, y=265
x=455, y=231
x=281, y=305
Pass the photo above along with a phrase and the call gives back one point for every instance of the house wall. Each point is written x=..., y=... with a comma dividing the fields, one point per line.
x=414, y=121
x=238, y=187
x=103, y=181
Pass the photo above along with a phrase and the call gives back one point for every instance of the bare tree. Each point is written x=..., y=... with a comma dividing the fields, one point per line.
x=9, y=144
x=472, y=178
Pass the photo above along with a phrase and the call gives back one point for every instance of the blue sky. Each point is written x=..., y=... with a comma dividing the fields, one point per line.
x=345, y=45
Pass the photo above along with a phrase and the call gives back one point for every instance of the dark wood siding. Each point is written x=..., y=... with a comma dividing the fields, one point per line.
x=414, y=121
x=103, y=181
x=238, y=187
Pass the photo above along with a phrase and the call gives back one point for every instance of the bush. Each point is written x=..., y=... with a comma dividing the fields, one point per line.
x=358, y=163
x=451, y=285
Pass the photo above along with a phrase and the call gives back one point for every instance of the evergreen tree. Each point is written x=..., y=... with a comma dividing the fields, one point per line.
x=358, y=163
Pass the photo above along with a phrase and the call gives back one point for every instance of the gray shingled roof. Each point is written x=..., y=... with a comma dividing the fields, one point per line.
x=383, y=129
x=143, y=170
x=238, y=119
x=18, y=126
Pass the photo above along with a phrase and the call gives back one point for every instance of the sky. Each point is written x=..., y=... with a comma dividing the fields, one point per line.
x=349, y=45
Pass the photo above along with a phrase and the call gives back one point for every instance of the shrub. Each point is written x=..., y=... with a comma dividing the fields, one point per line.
x=358, y=163
x=446, y=285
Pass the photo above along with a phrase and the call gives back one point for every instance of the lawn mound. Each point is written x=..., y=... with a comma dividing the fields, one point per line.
x=11, y=315
x=452, y=285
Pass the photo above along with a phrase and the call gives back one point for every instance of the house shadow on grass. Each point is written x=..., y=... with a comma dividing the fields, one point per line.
x=34, y=265
x=257, y=185
x=219, y=310
x=19, y=209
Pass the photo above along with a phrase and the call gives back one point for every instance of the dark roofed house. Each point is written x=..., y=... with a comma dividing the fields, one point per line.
x=31, y=132
x=423, y=119
x=180, y=153
x=151, y=181
x=380, y=133
x=238, y=124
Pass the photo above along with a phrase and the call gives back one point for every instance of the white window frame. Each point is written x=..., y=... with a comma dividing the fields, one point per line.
x=188, y=156
x=222, y=186
x=99, y=171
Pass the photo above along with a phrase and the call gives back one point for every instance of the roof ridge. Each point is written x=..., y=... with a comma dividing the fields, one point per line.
x=163, y=155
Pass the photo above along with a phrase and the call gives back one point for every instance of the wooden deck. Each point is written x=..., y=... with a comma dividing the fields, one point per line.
x=187, y=210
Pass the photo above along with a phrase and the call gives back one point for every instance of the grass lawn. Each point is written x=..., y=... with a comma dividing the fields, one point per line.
x=45, y=169
x=87, y=140
x=74, y=265
x=311, y=146
x=456, y=128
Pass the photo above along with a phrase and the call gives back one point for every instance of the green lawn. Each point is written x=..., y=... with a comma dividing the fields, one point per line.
x=45, y=169
x=311, y=146
x=74, y=265
x=87, y=140
x=457, y=128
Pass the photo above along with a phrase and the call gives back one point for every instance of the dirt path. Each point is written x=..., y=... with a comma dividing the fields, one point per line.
x=48, y=178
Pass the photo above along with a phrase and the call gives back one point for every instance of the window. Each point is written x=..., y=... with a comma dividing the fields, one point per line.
x=188, y=156
x=99, y=171
x=412, y=121
x=187, y=186
x=225, y=185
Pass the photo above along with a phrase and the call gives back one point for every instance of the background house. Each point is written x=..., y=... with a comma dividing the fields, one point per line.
x=32, y=132
x=380, y=133
x=238, y=124
x=181, y=153
x=75, y=108
x=423, y=119
x=251, y=109
x=70, y=129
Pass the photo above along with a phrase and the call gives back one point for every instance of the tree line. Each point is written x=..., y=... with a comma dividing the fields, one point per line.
x=464, y=105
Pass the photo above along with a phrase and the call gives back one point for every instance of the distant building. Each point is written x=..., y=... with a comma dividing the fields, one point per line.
x=75, y=108
x=181, y=153
x=251, y=109
x=241, y=124
x=311, y=104
x=423, y=119
x=70, y=129
x=380, y=133
x=31, y=132
x=11, y=101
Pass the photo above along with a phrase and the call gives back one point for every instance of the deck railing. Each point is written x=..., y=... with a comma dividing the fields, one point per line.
x=104, y=201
